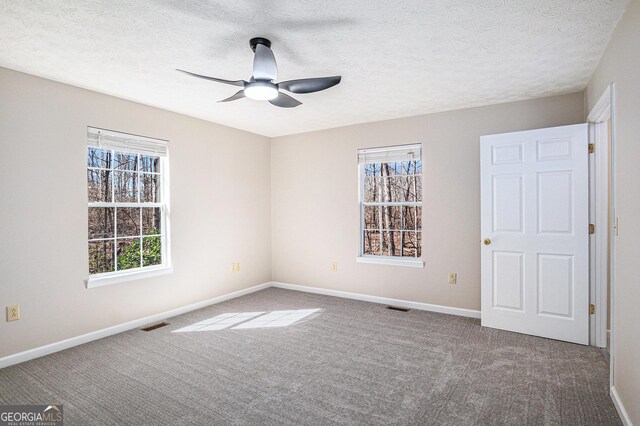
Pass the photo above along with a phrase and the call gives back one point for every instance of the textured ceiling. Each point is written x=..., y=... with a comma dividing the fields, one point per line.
x=397, y=58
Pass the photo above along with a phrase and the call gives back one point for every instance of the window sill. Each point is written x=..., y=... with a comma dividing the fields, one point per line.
x=410, y=263
x=132, y=275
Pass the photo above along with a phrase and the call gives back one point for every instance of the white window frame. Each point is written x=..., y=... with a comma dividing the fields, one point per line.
x=412, y=262
x=108, y=278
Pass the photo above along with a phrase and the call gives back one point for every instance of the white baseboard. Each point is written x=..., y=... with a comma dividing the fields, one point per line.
x=383, y=300
x=624, y=416
x=105, y=332
x=99, y=334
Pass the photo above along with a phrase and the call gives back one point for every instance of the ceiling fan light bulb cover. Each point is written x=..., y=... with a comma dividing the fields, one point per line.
x=261, y=91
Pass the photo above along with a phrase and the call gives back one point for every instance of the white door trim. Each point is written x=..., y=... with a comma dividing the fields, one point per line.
x=604, y=111
x=599, y=216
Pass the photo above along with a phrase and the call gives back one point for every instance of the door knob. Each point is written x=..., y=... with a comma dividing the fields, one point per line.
x=487, y=241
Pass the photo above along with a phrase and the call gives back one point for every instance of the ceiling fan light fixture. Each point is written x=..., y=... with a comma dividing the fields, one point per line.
x=261, y=90
x=263, y=87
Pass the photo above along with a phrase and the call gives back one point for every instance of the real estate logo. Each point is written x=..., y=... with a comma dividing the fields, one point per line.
x=31, y=415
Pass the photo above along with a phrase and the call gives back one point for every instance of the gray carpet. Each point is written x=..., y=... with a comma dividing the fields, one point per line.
x=349, y=363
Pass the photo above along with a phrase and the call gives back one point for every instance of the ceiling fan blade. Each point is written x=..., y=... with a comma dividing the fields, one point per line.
x=285, y=101
x=264, y=64
x=309, y=85
x=219, y=80
x=239, y=95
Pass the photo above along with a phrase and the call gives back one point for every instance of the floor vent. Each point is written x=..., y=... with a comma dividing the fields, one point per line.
x=396, y=308
x=154, y=326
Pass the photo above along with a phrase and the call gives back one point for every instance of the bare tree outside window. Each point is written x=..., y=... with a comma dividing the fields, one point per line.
x=125, y=210
x=391, y=208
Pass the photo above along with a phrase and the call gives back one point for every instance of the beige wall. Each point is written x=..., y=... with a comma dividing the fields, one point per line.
x=315, y=218
x=621, y=65
x=220, y=198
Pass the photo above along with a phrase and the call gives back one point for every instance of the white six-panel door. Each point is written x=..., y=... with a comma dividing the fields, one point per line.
x=535, y=232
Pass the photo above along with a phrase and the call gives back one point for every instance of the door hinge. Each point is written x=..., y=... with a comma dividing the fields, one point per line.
x=592, y=309
x=592, y=148
x=592, y=229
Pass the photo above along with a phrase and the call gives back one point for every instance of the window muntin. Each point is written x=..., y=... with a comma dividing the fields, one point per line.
x=126, y=210
x=391, y=204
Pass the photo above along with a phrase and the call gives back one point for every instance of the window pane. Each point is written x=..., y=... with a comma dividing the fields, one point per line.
x=391, y=244
x=413, y=188
x=99, y=185
x=396, y=246
x=371, y=217
x=128, y=220
x=372, y=189
x=391, y=217
x=126, y=161
x=419, y=218
x=408, y=217
x=149, y=188
x=128, y=253
x=398, y=188
x=101, y=257
x=385, y=244
x=372, y=169
x=409, y=244
x=411, y=167
x=151, y=251
x=99, y=158
x=149, y=164
x=372, y=242
x=151, y=221
x=405, y=168
x=419, y=243
x=101, y=222
x=391, y=190
x=126, y=187
x=389, y=169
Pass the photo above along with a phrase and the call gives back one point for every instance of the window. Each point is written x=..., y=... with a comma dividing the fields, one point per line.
x=128, y=199
x=391, y=205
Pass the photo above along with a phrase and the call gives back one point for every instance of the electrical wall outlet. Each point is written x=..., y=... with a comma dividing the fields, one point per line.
x=235, y=267
x=453, y=277
x=334, y=266
x=238, y=267
x=13, y=312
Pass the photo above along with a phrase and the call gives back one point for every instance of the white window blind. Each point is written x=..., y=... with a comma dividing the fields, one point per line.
x=390, y=154
x=106, y=139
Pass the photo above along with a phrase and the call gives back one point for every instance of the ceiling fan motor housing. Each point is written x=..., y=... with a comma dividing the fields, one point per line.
x=259, y=40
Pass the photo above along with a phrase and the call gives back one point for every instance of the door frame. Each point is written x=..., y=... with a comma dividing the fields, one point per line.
x=602, y=207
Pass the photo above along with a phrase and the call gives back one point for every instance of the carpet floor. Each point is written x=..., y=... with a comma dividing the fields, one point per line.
x=340, y=362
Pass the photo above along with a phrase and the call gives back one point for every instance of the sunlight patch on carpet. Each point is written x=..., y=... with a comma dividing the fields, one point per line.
x=246, y=320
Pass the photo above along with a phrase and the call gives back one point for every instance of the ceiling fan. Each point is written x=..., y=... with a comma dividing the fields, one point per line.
x=261, y=85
